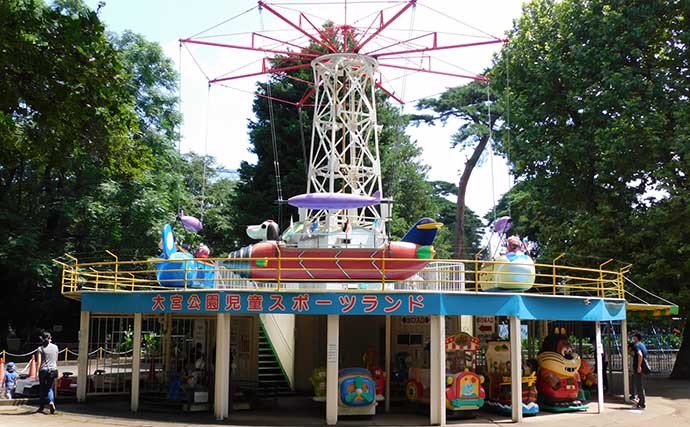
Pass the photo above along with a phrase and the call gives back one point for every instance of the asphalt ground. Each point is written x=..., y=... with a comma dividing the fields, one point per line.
x=668, y=405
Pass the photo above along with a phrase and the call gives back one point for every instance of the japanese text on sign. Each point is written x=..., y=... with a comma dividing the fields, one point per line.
x=302, y=303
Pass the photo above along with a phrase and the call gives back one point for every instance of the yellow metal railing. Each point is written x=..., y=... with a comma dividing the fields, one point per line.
x=378, y=274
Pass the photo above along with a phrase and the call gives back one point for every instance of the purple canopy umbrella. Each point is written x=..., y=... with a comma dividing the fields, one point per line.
x=190, y=223
x=503, y=224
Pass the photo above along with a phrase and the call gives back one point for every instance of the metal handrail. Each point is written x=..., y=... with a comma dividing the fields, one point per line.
x=141, y=275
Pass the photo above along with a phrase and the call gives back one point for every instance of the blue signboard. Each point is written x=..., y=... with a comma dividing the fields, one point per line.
x=355, y=303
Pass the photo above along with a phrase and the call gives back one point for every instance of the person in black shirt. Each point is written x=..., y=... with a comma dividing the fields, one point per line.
x=639, y=356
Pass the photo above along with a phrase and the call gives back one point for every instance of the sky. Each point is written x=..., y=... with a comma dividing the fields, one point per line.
x=215, y=117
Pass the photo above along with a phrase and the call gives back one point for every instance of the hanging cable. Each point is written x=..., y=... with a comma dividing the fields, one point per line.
x=274, y=141
x=224, y=22
x=401, y=115
x=303, y=141
x=510, y=181
x=491, y=151
x=202, y=208
x=179, y=142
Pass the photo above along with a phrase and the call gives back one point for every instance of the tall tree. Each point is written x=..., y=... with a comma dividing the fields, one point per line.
x=475, y=104
x=599, y=95
x=87, y=127
x=443, y=193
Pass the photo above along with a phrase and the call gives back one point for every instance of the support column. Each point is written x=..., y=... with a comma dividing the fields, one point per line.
x=467, y=324
x=625, y=363
x=221, y=405
x=437, y=397
x=332, y=356
x=136, y=363
x=387, y=365
x=543, y=330
x=599, y=349
x=83, y=357
x=516, y=369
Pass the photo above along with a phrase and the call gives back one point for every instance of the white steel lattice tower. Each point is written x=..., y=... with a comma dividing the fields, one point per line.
x=344, y=156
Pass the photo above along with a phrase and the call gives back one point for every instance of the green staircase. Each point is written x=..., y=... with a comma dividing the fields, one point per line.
x=272, y=381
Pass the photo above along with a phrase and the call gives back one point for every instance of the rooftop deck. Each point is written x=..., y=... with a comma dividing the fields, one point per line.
x=439, y=276
x=438, y=287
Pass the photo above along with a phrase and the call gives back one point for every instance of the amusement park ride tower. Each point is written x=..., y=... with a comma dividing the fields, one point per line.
x=344, y=154
x=344, y=166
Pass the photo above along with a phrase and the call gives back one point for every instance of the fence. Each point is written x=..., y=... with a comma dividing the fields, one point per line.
x=660, y=361
x=375, y=273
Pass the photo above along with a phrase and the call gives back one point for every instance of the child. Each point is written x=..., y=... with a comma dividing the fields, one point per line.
x=10, y=380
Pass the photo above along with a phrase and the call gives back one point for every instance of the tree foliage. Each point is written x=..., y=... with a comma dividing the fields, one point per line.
x=477, y=107
x=599, y=128
x=88, y=126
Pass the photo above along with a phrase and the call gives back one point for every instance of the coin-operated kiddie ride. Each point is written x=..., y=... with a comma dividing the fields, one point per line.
x=499, y=387
x=558, y=380
x=464, y=389
x=358, y=390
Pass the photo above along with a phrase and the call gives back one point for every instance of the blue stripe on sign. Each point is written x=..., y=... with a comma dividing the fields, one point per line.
x=210, y=301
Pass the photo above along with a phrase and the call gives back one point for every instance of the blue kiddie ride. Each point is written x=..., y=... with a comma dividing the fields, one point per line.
x=180, y=269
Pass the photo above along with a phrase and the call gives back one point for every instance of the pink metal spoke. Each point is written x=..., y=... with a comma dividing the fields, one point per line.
x=265, y=71
x=253, y=48
x=388, y=92
x=383, y=26
x=371, y=52
x=436, y=47
x=293, y=25
x=301, y=48
x=323, y=36
x=440, y=73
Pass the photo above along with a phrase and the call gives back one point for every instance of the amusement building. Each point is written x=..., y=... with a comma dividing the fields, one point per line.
x=330, y=310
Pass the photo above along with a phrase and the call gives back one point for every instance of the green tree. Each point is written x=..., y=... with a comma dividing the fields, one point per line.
x=599, y=111
x=447, y=211
x=87, y=159
x=209, y=196
x=475, y=104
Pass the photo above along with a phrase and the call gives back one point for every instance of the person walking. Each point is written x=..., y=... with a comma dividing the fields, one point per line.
x=640, y=369
x=47, y=372
x=10, y=380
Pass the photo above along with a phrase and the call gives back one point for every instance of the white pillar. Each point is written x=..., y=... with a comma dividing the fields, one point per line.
x=467, y=324
x=332, y=356
x=387, y=365
x=626, y=364
x=600, y=377
x=437, y=386
x=83, y=358
x=136, y=363
x=516, y=368
x=221, y=399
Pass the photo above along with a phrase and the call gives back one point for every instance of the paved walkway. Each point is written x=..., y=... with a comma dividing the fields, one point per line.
x=668, y=405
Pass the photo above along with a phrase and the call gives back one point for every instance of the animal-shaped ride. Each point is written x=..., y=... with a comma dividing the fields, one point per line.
x=558, y=381
x=179, y=269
